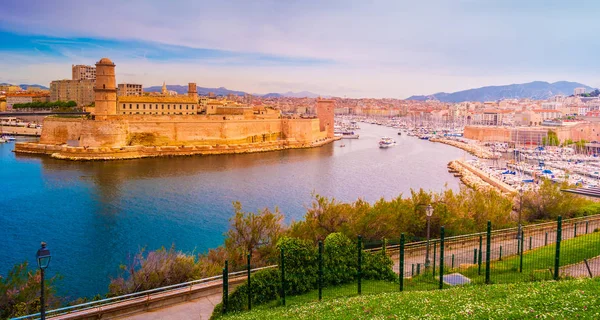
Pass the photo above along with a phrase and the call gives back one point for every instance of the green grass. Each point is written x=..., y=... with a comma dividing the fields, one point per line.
x=537, y=263
x=568, y=299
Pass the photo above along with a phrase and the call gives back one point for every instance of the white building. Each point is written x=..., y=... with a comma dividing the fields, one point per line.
x=579, y=91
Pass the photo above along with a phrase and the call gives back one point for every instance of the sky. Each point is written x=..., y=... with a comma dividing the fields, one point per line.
x=346, y=48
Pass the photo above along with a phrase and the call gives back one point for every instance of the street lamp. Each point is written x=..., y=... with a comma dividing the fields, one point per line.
x=43, y=260
x=520, y=211
x=429, y=213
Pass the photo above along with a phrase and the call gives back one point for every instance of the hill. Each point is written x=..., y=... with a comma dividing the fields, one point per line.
x=201, y=90
x=565, y=299
x=24, y=86
x=533, y=90
x=224, y=91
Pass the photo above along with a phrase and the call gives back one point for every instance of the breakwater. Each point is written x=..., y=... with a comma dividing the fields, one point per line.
x=475, y=150
x=476, y=178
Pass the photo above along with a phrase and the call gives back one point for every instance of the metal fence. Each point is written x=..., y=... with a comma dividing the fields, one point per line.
x=546, y=251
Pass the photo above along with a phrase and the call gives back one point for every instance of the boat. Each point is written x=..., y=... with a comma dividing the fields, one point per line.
x=8, y=138
x=399, y=133
x=2, y=140
x=342, y=145
x=349, y=135
x=386, y=142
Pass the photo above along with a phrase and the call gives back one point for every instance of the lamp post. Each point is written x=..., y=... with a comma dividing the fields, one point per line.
x=429, y=213
x=520, y=211
x=43, y=260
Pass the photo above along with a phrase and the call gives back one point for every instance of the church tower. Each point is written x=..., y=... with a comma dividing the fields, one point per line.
x=105, y=90
x=163, y=91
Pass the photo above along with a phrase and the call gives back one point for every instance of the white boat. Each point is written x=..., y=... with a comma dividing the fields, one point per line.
x=8, y=138
x=2, y=140
x=386, y=142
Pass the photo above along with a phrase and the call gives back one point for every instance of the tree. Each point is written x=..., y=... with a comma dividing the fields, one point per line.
x=257, y=233
x=548, y=202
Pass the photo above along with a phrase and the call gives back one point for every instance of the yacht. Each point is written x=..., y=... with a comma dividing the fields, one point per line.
x=8, y=138
x=386, y=142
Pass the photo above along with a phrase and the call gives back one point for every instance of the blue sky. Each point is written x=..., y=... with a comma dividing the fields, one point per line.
x=345, y=48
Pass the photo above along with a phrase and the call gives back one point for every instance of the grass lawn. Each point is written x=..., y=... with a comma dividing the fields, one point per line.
x=537, y=263
x=567, y=299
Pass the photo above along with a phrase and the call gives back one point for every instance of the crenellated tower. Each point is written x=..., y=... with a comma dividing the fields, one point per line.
x=325, y=114
x=105, y=90
x=192, y=91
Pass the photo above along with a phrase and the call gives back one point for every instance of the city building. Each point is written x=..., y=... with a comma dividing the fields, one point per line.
x=82, y=72
x=579, y=91
x=20, y=98
x=80, y=91
x=129, y=89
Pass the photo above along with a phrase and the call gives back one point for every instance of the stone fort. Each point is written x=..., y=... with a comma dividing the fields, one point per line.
x=128, y=127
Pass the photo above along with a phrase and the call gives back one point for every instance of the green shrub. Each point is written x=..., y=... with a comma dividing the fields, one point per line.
x=301, y=265
x=340, y=259
x=378, y=266
x=265, y=287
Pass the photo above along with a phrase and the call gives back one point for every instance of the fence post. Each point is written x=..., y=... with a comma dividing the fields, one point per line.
x=249, y=283
x=359, y=247
x=225, y=287
x=480, y=255
x=418, y=268
x=412, y=273
x=521, y=253
x=530, y=240
x=474, y=255
x=453, y=261
x=441, y=258
x=575, y=230
x=434, y=254
x=558, y=239
x=500, y=258
x=587, y=224
x=401, y=267
x=384, y=245
x=282, y=266
x=320, y=270
x=546, y=239
x=488, y=246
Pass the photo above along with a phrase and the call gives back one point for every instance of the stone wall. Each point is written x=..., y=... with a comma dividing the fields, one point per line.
x=119, y=131
x=60, y=130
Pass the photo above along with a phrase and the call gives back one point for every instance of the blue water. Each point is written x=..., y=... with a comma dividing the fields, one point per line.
x=93, y=215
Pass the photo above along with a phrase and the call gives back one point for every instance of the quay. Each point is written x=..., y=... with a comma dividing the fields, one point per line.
x=478, y=179
x=472, y=149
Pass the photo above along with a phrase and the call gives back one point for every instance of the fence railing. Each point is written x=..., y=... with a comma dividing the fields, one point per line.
x=546, y=251
x=104, y=303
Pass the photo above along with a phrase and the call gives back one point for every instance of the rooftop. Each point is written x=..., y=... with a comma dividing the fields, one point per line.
x=157, y=99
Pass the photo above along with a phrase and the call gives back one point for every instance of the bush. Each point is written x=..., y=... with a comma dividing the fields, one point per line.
x=265, y=287
x=20, y=292
x=156, y=269
x=301, y=265
x=340, y=259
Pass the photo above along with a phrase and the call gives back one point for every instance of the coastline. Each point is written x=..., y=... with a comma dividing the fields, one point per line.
x=65, y=152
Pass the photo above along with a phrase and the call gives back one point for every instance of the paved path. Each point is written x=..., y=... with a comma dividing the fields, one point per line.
x=200, y=309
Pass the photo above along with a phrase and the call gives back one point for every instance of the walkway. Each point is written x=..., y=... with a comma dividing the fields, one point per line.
x=200, y=309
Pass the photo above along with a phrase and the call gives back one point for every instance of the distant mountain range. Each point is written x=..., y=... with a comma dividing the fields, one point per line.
x=24, y=86
x=224, y=91
x=537, y=90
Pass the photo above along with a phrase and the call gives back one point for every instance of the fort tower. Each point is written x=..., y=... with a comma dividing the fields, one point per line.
x=105, y=90
x=192, y=91
x=325, y=115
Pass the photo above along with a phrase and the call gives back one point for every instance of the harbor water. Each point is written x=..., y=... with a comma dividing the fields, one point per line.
x=94, y=215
